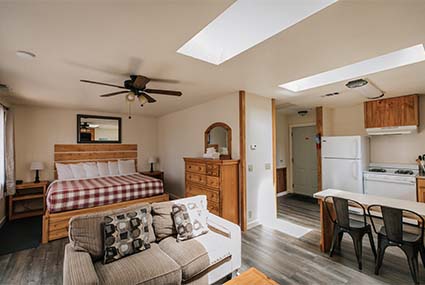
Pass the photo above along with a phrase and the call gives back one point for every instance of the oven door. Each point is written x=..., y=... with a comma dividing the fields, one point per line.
x=395, y=187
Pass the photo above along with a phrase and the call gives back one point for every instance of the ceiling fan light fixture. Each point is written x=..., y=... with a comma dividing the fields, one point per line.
x=143, y=100
x=130, y=97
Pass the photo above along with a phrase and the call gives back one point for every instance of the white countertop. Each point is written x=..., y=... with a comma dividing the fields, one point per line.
x=367, y=200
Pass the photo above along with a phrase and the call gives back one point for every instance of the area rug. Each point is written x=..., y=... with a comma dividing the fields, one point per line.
x=20, y=234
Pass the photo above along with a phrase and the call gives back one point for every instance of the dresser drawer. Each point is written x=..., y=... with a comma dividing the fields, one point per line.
x=213, y=170
x=196, y=167
x=194, y=190
x=213, y=181
x=214, y=208
x=197, y=178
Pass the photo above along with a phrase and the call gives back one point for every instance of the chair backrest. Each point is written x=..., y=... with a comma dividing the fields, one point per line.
x=395, y=222
x=341, y=207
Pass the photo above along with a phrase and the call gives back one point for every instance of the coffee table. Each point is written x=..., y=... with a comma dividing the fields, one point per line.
x=252, y=277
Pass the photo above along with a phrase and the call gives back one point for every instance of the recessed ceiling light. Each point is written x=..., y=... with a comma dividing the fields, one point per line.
x=25, y=54
x=245, y=24
x=388, y=61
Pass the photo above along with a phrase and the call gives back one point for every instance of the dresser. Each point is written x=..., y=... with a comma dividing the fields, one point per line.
x=219, y=181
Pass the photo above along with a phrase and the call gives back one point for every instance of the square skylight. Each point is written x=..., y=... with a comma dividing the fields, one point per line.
x=388, y=61
x=245, y=24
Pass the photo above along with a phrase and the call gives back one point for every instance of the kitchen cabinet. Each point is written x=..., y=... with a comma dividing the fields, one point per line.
x=392, y=112
x=420, y=184
x=281, y=179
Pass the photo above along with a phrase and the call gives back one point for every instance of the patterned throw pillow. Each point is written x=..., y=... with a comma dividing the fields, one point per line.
x=190, y=218
x=125, y=234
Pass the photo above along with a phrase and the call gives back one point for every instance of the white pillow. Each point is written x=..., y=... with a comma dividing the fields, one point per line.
x=127, y=166
x=113, y=168
x=78, y=170
x=64, y=171
x=103, y=168
x=91, y=169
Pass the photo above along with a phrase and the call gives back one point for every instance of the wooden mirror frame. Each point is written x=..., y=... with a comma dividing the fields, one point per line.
x=229, y=138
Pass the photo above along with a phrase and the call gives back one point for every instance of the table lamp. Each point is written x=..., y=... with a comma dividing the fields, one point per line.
x=152, y=160
x=37, y=166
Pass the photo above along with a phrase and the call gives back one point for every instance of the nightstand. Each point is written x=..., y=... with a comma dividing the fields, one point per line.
x=154, y=174
x=26, y=193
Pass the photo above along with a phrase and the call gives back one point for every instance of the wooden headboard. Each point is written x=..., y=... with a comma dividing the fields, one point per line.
x=75, y=153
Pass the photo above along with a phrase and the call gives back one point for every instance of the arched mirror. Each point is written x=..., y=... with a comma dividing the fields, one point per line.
x=219, y=136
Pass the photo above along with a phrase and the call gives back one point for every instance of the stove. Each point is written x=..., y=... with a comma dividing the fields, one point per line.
x=397, y=181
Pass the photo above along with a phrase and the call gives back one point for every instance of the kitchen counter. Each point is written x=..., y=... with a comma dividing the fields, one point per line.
x=420, y=176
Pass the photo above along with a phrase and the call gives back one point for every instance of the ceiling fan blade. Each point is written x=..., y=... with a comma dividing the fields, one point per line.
x=163, y=92
x=150, y=99
x=113, y=94
x=101, y=83
x=164, y=80
x=140, y=81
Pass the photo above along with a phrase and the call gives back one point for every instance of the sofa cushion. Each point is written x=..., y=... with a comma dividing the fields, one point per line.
x=189, y=254
x=125, y=234
x=151, y=266
x=86, y=231
x=162, y=220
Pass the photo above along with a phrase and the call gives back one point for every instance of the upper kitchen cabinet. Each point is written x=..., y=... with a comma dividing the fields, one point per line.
x=392, y=112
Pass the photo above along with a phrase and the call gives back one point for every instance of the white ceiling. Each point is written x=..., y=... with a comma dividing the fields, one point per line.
x=97, y=40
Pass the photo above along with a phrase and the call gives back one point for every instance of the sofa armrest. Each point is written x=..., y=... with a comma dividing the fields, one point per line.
x=231, y=231
x=78, y=267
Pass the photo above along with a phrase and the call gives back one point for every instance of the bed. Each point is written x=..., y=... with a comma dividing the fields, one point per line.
x=68, y=198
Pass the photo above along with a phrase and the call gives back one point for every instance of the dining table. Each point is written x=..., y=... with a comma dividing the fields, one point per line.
x=326, y=224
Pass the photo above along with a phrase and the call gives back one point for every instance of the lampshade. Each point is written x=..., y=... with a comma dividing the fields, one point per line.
x=37, y=165
x=143, y=100
x=130, y=96
x=152, y=159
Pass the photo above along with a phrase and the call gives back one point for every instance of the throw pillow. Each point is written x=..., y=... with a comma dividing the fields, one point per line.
x=78, y=170
x=190, y=218
x=125, y=234
x=91, y=169
x=103, y=168
x=113, y=168
x=64, y=171
x=126, y=166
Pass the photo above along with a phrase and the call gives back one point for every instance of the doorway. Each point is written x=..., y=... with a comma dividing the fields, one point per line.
x=303, y=160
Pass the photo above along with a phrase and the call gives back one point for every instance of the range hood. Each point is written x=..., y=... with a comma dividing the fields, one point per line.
x=401, y=130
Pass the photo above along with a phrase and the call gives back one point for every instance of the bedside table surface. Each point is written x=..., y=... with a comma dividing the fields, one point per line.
x=27, y=185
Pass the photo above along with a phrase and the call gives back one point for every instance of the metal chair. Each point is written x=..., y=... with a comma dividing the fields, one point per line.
x=398, y=231
x=344, y=224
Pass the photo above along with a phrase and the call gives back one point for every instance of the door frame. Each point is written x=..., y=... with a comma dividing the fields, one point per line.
x=291, y=162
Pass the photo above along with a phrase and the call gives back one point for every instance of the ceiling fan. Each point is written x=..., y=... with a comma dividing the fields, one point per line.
x=135, y=87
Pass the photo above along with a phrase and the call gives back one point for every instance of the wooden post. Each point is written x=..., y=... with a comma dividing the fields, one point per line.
x=326, y=227
x=242, y=146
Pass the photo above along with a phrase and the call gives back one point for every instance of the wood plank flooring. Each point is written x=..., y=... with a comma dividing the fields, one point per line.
x=286, y=259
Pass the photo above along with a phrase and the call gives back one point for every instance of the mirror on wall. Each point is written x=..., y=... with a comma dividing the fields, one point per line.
x=98, y=129
x=219, y=136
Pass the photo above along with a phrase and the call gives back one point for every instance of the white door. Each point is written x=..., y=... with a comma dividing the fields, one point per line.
x=341, y=147
x=342, y=174
x=304, y=166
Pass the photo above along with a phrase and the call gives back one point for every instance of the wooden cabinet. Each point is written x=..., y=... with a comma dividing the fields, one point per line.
x=219, y=181
x=281, y=179
x=398, y=111
x=420, y=185
x=28, y=192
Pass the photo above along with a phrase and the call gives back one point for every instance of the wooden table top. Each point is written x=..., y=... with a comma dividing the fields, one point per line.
x=252, y=277
x=367, y=200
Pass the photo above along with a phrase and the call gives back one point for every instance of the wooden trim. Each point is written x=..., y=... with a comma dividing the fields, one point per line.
x=94, y=147
x=55, y=225
x=242, y=146
x=229, y=138
x=207, y=270
x=274, y=151
x=319, y=132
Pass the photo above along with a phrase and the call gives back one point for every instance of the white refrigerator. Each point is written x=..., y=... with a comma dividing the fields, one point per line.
x=344, y=158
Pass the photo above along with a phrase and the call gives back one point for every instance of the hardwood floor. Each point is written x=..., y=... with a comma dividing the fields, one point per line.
x=286, y=259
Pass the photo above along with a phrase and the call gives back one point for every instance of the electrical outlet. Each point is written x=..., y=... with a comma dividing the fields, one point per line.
x=253, y=147
x=250, y=167
x=268, y=166
x=249, y=214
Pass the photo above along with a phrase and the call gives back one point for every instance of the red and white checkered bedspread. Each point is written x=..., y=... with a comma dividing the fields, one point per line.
x=68, y=195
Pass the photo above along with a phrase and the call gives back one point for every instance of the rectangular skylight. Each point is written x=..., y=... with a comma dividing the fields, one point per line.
x=388, y=61
x=245, y=24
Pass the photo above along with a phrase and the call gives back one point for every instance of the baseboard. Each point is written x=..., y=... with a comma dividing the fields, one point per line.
x=283, y=193
x=253, y=224
x=2, y=221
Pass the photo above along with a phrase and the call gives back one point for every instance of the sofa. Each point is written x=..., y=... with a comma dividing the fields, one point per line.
x=205, y=259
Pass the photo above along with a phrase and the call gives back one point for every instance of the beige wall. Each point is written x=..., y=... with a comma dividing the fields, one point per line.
x=38, y=129
x=383, y=149
x=181, y=134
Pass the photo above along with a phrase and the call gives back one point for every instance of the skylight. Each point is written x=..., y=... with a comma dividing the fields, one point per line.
x=245, y=24
x=388, y=61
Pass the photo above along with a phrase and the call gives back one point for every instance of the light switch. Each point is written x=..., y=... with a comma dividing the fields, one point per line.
x=253, y=147
x=250, y=167
x=268, y=166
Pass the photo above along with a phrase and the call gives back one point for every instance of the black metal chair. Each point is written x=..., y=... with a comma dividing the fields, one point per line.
x=344, y=224
x=396, y=230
